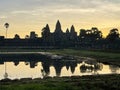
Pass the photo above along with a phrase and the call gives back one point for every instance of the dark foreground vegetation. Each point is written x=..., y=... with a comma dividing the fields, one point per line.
x=96, y=82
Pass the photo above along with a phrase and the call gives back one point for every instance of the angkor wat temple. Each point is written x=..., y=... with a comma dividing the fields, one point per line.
x=70, y=39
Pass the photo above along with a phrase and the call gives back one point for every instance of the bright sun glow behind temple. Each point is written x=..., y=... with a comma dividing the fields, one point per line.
x=32, y=15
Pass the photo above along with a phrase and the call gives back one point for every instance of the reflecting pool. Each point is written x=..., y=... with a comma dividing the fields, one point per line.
x=17, y=68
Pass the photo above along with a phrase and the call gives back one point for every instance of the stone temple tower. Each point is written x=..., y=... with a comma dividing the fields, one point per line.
x=58, y=33
x=58, y=27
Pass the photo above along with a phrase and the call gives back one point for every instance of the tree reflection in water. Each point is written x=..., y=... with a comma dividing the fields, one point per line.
x=16, y=63
x=91, y=66
x=114, y=69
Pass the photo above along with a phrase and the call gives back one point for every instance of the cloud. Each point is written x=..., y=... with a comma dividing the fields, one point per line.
x=58, y=10
x=73, y=9
x=106, y=9
x=27, y=5
x=21, y=12
x=3, y=17
x=70, y=10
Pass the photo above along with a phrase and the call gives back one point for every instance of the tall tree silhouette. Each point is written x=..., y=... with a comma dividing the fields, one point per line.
x=113, y=34
x=6, y=74
x=6, y=26
x=82, y=34
x=96, y=34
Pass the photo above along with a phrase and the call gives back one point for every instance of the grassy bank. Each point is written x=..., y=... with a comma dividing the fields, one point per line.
x=99, y=82
x=111, y=57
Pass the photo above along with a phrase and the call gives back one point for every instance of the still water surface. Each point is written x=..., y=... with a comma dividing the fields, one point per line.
x=39, y=68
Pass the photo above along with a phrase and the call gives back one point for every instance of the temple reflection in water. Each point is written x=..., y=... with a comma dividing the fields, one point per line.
x=73, y=66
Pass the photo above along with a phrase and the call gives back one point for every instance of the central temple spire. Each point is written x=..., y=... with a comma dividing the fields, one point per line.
x=58, y=27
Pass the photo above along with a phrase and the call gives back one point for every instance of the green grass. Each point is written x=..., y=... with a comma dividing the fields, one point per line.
x=87, y=53
x=102, y=56
x=102, y=82
x=20, y=50
x=45, y=86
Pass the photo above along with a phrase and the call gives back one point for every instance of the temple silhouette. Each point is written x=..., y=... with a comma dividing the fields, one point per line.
x=87, y=39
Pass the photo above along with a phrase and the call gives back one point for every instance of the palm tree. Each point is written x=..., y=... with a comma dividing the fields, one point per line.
x=6, y=26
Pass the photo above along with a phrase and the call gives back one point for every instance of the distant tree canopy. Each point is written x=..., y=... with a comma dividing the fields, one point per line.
x=27, y=36
x=93, y=34
x=113, y=35
x=33, y=35
x=16, y=36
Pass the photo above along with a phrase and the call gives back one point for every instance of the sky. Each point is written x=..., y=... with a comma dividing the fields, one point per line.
x=25, y=16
